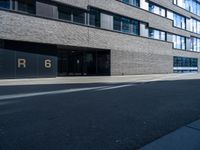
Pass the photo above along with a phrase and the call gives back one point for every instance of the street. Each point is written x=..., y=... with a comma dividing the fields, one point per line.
x=104, y=116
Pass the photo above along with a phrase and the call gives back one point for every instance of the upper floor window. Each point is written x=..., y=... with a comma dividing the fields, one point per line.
x=131, y=2
x=5, y=4
x=71, y=14
x=157, y=10
x=117, y=23
x=95, y=17
x=126, y=25
x=179, y=21
x=28, y=6
x=195, y=26
x=191, y=5
x=157, y=34
x=179, y=42
x=195, y=44
x=65, y=13
x=79, y=16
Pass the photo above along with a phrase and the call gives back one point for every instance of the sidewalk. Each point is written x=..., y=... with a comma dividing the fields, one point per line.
x=185, y=138
x=101, y=79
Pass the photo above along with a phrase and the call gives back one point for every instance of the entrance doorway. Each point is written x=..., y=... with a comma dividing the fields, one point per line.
x=83, y=62
x=75, y=63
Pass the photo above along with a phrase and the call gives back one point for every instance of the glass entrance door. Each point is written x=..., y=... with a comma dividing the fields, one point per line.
x=62, y=63
x=75, y=63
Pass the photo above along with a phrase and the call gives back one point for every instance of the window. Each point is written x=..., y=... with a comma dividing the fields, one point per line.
x=79, y=16
x=157, y=10
x=170, y=15
x=131, y=2
x=195, y=44
x=195, y=26
x=157, y=34
x=65, y=13
x=94, y=17
x=185, y=64
x=192, y=6
x=198, y=27
x=27, y=6
x=5, y=4
x=71, y=14
x=136, y=29
x=117, y=23
x=179, y=42
x=179, y=21
x=126, y=25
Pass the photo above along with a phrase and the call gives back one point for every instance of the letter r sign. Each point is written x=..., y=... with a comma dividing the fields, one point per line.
x=21, y=63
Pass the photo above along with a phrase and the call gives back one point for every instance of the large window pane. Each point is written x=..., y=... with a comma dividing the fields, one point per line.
x=71, y=14
x=27, y=6
x=5, y=4
x=179, y=21
x=79, y=16
x=131, y=2
x=157, y=34
x=94, y=18
x=185, y=64
x=179, y=42
x=117, y=23
x=157, y=10
x=136, y=28
x=65, y=13
x=190, y=5
x=126, y=25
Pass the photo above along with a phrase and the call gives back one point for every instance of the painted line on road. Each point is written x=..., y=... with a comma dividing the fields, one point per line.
x=115, y=87
x=24, y=95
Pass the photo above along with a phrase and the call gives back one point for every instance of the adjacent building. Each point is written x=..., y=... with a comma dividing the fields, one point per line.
x=40, y=38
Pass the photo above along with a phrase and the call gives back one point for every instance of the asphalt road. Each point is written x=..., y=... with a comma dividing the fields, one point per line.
x=94, y=116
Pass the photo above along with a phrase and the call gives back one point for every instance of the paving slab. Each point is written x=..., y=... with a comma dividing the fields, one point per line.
x=184, y=138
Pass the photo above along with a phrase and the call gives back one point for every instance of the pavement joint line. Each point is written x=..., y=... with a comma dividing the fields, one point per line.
x=163, y=138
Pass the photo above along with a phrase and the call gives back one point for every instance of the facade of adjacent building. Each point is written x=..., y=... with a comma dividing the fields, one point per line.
x=40, y=38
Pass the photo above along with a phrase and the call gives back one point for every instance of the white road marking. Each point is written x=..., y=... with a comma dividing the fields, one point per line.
x=24, y=95
x=114, y=87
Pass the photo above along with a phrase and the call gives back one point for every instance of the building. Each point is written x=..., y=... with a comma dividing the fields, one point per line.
x=40, y=38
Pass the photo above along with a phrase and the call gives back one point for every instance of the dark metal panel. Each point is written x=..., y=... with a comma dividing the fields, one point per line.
x=7, y=63
x=26, y=65
x=47, y=66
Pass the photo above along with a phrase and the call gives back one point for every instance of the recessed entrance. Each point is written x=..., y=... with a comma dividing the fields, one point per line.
x=83, y=62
